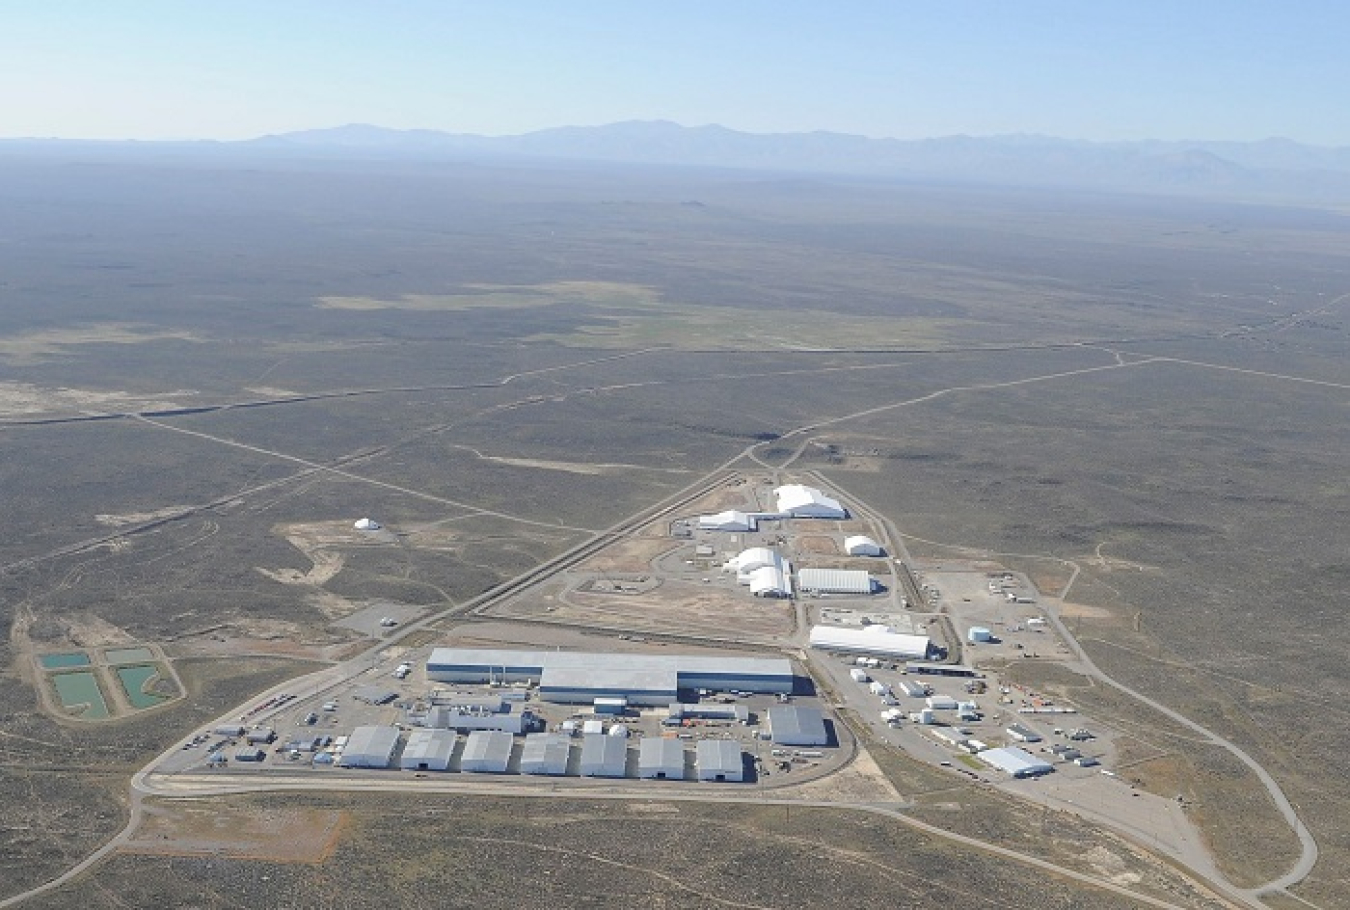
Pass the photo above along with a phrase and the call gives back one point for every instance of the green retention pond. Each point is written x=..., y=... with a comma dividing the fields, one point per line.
x=133, y=681
x=80, y=694
x=128, y=655
x=62, y=661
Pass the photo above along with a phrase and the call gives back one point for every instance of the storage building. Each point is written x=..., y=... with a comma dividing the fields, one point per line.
x=604, y=756
x=428, y=750
x=720, y=760
x=710, y=709
x=942, y=703
x=979, y=635
x=486, y=752
x=798, y=501
x=747, y=562
x=1023, y=734
x=835, y=581
x=1014, y=761
x=790, y=725
x=869, y=640
x=576, y=677
x=861, y=545
x=545, y=753
x=730, y=520
x=661, y=759
x=370, y=747
x=913, y=689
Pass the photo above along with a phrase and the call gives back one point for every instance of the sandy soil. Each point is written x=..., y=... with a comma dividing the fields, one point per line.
x=274, y=835
x=631, y=556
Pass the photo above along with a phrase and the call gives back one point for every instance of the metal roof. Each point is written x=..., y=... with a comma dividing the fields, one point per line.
x=490, y=747
x=657, y=754
x=789, y=722
x=546, y=751
x=719, y=756
x=835, y=581
x=604, y=756
x=489, y=660
x=1014, y=761
x=427, y=745
x=892, y=644
x=370, y=746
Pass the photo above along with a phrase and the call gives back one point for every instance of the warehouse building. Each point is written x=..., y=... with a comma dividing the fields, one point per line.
x=731, y=520
x=875, y=639
x=835, y=581
x=797, y=501
x=790, y=725
x=577, y=677
x=370, y=747
x=979, y=635
x=861, y=545
x=1014, y=761
x=604, y=756
x=719, y=760
x=1023, y=734
x=486, y=752
x=428, y=750
x=660, y=759
x=545, y=753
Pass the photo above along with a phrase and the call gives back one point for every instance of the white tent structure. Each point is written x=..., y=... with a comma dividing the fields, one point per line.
x=366, y=524
x=1014, y=761
x=798, y=501
x=861, y=545
x=747, y=562
x=835, y=581
x=770, y=581
x=878, y=640
x=730, y=520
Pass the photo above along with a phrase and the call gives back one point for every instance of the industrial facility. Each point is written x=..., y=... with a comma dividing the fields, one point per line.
x=576, y=677
x=661, y=759
x=487, y=752
x=545, y=753
x=603, y=755
x=1014, y=761
x=370, y=747
x=427, y=750
x=874, y=639
x=765, y=571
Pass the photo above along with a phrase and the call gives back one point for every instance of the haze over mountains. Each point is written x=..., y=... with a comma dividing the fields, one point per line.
x=1271, y=169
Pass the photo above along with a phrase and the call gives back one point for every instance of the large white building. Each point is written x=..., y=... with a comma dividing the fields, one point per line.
x=465, y=719
x=861, y=545
x=798, y=501
x=578, y=677
x=486, y=752
x=370, y=747
x=730, y=520
x=720, y=760
x=1014, y=761
x=660, y=759
x=604, y=756
x=747, y=562
x=875, y=639
x=428, y=750
x=545, y=753
x=835, y=581
x=770, y=581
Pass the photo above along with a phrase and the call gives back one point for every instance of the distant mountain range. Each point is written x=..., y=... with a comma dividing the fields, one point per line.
x=1268, y=169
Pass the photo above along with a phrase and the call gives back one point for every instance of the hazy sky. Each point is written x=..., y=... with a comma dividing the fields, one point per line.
x=1089, y=69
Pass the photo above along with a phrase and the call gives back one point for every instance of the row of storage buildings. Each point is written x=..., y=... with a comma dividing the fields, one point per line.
x=491, y=752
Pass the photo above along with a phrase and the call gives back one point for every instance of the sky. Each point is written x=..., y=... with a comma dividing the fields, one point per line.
x=1101, y=70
